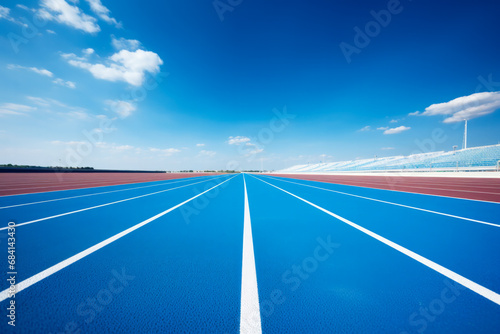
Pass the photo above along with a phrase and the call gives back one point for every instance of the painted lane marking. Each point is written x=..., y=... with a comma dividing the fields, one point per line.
x=101, y=205
x=63, y=264
x=479, y=289
x=86, y=195
x=109, y=185
x=386, y=189
x=397, y=204
x=250, y=310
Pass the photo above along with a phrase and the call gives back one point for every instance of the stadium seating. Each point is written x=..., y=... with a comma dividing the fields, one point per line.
x=476, y=158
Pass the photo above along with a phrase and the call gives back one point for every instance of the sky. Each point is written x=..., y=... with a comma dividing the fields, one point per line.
x=238, y=84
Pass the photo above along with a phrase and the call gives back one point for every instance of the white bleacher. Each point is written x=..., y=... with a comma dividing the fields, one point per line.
x=476, y=158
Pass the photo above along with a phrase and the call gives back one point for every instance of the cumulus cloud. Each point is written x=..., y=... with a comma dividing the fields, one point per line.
x=127, y=66
x=40, y=71
x=122, y=108
x=238, y=140
x=125, y=44
x=15, y=109
x=200, y=145
x=393, y=121
x=394, y=131
x=366, y=128
x=383, y=128
x=465, y=107
x=87, y=52
x=62, y=12
x=102, y=12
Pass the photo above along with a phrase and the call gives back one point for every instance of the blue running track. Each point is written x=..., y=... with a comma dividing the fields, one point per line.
x=181, y=256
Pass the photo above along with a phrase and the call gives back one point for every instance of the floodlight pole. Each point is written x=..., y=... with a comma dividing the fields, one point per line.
x=465, y=136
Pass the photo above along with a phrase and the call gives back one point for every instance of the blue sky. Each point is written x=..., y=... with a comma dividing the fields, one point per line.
x=243, y=84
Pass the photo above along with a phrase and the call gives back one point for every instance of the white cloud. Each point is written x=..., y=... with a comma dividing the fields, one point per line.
x=62, y=12
x=115, y=148
x=414, y=113
x=250, y=148
x=51, y=31
x=465, y=107
x=325, y=157
x=5, y=14
x=387, y=148
x=394, y=131
x=88, y=51
x=104, y=13
x=44, y=72
x=124, y=65
x=15, y=109
x=61, y=82
x=200, y=145
x=40, y=71
x=255, y=150
x=366, y=128
x=108, y=147
x=125, y=44
x=165, y=152
x=24, y=7
x=39, y=101
x=69, y=143
x=55, y=106
x=383, y=128
x=238, y=140
x=81, y=115
x=206, y=153
x=122, y=108
x=393, y=121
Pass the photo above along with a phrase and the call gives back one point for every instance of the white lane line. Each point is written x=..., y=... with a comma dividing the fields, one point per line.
x=479, y=289
x=63, y=264
x=110, y=185
x=102, y=205
x=366, y=184
x=71, y=184
x=399, y=191
x=94, y=194
x=250, y=309
x=392, y=203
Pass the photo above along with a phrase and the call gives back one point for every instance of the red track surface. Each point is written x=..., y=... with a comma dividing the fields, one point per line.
x=23, y=183
x=484, y=189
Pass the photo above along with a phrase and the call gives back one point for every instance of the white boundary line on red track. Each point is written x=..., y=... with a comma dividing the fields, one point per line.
x=409, y=183
x=396, y=204
x=250, y=322
x=109, y=185
x=479, y=289
x=400, y=191
x=71, y=184
x=101, y=205
x=63, y=264
x=94, y=194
